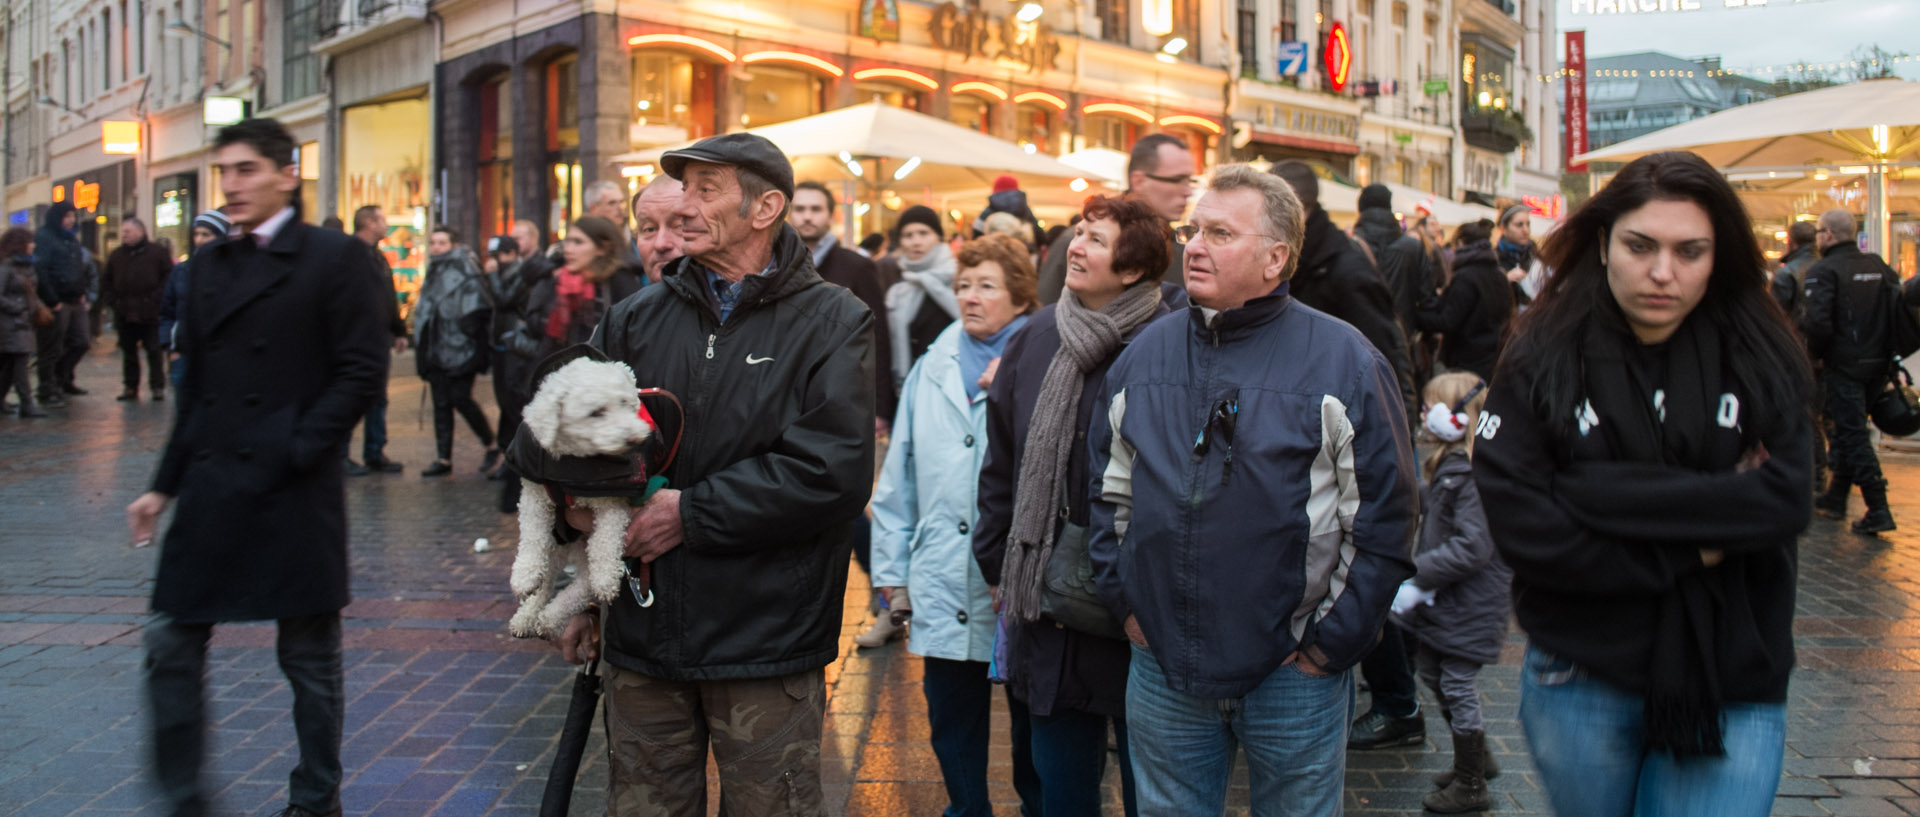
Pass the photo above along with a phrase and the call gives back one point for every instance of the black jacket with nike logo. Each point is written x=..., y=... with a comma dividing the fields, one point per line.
x=775, y=465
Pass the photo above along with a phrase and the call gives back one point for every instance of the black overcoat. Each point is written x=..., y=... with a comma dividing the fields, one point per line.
x=289, y=348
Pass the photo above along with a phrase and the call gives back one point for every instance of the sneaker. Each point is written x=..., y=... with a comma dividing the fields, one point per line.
x=1877, y=520
x=355, y=469
x=1376, y=730
x=439, y=468
x=882, y=631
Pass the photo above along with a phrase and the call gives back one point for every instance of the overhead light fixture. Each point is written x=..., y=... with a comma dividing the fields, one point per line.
x=1174, y=46
x=906, y=169
x=1077, y=185
x=1881, y=141
x=1029, y=12
x=683, y=41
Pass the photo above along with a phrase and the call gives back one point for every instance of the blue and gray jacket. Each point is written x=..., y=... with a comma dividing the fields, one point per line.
x=1252, y=492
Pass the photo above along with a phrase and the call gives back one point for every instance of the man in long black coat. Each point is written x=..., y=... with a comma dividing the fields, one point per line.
x=283, y=325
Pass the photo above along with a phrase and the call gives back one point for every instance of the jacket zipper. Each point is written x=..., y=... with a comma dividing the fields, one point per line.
x=710, y=338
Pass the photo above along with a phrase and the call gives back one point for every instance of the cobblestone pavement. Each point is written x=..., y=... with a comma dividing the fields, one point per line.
x=449, y=716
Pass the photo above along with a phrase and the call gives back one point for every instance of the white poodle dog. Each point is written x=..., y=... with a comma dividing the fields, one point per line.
x=586, y=408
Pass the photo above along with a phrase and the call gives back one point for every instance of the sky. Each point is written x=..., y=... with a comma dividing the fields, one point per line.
x=1779, y=32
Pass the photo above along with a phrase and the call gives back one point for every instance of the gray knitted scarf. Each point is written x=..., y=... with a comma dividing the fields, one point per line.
x=1087, y=339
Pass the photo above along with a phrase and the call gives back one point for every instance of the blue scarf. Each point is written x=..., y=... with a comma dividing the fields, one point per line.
x=1514, y=255
x=975, y=354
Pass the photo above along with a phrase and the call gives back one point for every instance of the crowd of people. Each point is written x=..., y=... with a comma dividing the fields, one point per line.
x=1179, y=489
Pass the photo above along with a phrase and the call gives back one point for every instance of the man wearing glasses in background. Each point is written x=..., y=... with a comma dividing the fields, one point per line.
x=1249, y=593
x=1160, y=173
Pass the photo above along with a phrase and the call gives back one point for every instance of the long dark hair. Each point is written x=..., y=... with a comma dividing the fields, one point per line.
x=605, y=236
x=1769, y=363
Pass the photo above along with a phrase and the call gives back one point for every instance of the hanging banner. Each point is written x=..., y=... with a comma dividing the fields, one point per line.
x=1576, y=81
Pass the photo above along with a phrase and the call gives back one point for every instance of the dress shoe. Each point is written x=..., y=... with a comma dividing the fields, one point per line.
x=296, y=811
x=355, y=469
x=492, y=460
x=439, y=468
x=384, y=466
x=32, y=411
x=73, y=389
x=128, y=396
x=159, y=395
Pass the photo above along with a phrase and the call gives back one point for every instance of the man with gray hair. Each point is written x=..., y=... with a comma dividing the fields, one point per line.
x=748, y=543
x=1252, y=517
x=1849, y=295
x=608, y=200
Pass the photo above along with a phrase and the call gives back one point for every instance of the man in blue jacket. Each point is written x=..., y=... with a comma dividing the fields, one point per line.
x=1253, y=513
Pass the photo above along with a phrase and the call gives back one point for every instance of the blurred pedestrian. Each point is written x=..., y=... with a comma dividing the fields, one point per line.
x=283, y=329
x=333, y=223
x=369, y=230
x=1008, y=198
x=527, y=234
x=921, y=306
x=61, y=267
x=1849, y=296
x=812, y=217
x=1472, y=313
x=208, y=227
x=509, y=292
x=20, y=308
x=1160, y=174
x=655, y=239
x=1456, y=605
x=922, y=559
x=1523, y=267
x=132, y=286
x=1644, y=457
x=1789, y=280
x=1071, y=683
x=1252, y=570
x=450, y=321
x=748, y=544
x=874, y=246
x=606, y=199
x=1397, y=253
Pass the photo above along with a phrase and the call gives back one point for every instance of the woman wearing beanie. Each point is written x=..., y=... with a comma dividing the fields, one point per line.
x=921, y=306
x=208, y=227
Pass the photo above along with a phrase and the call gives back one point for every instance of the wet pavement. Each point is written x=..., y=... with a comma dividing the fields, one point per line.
x=447, y=715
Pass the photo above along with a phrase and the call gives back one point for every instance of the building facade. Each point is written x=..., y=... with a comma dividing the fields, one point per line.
x=1509, y=109
x=1630, y=95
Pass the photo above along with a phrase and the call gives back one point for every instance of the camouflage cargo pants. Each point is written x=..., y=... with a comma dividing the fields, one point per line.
x=765, y=734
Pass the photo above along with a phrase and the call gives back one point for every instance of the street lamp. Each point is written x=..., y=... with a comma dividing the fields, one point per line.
x=1029, y=12
x=179, y=28
x=54, y=103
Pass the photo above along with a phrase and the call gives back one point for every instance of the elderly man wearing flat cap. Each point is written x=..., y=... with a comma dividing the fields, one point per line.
x=749, y=543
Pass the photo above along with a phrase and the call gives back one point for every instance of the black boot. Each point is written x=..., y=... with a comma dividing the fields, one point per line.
x=1490, y=769
x=1878, y=519
x=1833, y=504
x=1468, y=789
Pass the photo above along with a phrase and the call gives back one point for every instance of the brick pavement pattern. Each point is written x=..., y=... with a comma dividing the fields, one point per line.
x=447, y=715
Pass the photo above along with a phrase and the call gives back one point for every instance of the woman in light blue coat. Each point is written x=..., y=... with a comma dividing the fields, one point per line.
x=924, y=512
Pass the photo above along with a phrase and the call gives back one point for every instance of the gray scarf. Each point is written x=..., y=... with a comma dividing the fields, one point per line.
x=1087, y=339
x=929, y=277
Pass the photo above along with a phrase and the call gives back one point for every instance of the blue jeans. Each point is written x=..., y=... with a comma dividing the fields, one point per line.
x=1294, y=728
x=373, y=441
x=1070, y=753
x=1586, y=740
x=959, y=701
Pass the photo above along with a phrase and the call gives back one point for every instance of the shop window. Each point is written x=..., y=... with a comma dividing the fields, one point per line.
x=565, y=205
x=896, y=95
x=1363, y=170
x=1487, y=76
x=1248, y=25
x=383, y=162
x=1110, y=132
x=780, y=94
x=1433, y=180
x=971, y=112
x=1113, y=20
x=675, y=91
x=563, y=103
x=307, y=159
x=1403, y=172
x=496, y=157
x=1034, y=125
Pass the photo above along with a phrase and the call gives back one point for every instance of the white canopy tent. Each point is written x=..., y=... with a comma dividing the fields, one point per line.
x=881, y=148
x=1866, y=129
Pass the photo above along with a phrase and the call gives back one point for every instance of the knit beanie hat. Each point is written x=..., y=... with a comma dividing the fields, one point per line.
x=1376, y=196
x=215, y=221
x=921, y=214
x=1004, y=183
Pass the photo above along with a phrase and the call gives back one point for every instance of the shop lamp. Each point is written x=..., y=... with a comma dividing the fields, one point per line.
x=906, y=169
x=1174, y=46
x=1029, y=12
x=1077, y=185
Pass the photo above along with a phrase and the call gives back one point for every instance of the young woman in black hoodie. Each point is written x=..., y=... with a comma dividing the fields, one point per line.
x=1645, y=459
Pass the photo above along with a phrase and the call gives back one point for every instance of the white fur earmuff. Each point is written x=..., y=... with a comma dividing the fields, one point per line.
x=1445, y=423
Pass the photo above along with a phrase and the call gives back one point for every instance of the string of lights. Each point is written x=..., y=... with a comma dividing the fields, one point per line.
x=1761, y=72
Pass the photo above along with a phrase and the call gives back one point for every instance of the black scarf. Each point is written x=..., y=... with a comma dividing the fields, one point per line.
x=1683, y=697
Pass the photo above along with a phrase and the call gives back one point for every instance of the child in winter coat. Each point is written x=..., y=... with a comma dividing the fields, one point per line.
x=1456, y=604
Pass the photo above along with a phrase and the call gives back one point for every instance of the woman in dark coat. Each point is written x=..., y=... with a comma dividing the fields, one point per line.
x=1646, y=458
x=450, y=344
x=1072, y=683
x=1473, y=311
x=18, y=303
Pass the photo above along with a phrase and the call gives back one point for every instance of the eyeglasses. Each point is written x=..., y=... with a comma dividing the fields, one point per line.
x=1183, y=181
x=1216, y=236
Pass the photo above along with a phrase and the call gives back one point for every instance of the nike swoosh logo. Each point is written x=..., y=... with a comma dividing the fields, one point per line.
x=754, y=361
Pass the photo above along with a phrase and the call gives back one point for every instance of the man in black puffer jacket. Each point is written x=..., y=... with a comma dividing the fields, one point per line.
x=1849, y=296
x=749, y=542
x=1335, y=277
x=62, y=272
x=1401, y=257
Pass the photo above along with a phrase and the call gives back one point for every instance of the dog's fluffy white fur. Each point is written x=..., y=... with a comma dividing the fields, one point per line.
x=585, y=408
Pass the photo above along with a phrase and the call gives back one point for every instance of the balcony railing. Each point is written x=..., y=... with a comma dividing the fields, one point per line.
x=1495, y=130
x=342, y=21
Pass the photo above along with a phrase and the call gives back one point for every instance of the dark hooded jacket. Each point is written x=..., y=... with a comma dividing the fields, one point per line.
x=775, y=466
x=57, y=259
x=1401, y=259
x=1457, y=560
x=134, y=281
x=1850, y=295
x=1473, y=312
x=450, y=318
x=1335, y=277
x=1790, y=280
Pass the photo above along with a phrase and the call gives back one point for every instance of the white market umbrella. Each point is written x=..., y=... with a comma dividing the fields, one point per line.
x=1104, y=163
x=1866, y=128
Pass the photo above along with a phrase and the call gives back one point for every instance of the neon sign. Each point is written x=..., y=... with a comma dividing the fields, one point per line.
x=1338, y=57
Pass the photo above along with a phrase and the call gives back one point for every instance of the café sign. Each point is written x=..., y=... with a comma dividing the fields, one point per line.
x=970, y=33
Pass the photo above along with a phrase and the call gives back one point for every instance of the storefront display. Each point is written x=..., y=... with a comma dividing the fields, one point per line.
x=174, y=200
x=383, y=160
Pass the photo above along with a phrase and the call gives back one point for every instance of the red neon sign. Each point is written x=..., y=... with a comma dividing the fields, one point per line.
x=1338, y=57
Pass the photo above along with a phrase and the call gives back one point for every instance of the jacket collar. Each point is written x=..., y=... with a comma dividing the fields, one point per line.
x=1233, y=324
x=1320, y=245
x=792, y=272
x=1799, y=252
x=1841, y=250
